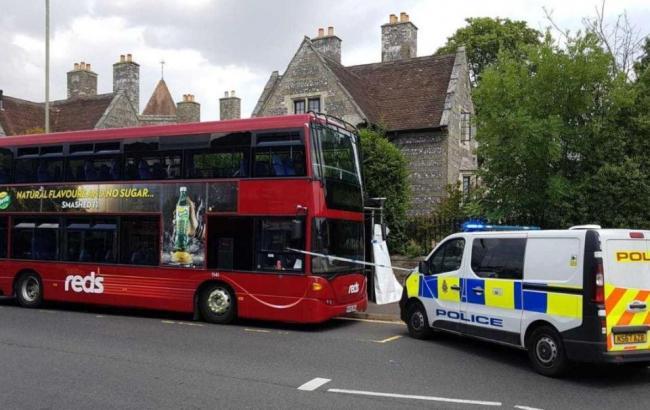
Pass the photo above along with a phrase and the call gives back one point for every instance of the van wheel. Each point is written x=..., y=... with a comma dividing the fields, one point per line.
x=546, y=352
x=217, y=303
x=29, y=290
x=417, y=321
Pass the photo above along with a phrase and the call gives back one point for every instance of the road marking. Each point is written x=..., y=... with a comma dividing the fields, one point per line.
x=357, y=319
x=390, y=339
x=171, y=322
x=257, y=330
x=99, y=315
x=526, y=407
x=416, y=397
x=313, y=384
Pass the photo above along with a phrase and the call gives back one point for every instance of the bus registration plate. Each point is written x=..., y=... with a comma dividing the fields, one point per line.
x=630, y=338
x=350, y=308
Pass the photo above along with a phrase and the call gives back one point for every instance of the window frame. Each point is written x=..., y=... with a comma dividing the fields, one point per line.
x=465, y=126
x=258, y=245
x=443, y=248
x=295, y=106
x=314, y=99
x=495, y=274
x=467, y=188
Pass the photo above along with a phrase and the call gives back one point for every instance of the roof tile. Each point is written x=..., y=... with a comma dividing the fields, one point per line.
x=399, y=95
x=20, y=116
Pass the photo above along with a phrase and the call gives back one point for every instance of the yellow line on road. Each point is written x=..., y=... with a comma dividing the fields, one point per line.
x=390, y=339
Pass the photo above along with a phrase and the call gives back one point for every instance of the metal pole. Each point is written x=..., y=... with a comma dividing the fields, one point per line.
x=47, y=66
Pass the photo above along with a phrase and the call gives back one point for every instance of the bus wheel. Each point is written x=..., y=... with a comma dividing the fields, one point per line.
x=29, y=290
x=217, y=303
x=546, y=352
x=417, y=322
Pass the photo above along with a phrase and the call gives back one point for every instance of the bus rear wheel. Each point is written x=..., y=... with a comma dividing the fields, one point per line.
x=217, y=303
x=29, y=290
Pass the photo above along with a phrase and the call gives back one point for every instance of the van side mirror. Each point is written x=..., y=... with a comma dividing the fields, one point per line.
x=423, y=268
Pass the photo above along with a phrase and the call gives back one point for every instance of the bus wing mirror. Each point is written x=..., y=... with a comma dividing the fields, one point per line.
x=423, y=267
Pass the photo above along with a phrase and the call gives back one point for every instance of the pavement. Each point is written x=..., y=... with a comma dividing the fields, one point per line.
x=80, y=357
x=388, y=312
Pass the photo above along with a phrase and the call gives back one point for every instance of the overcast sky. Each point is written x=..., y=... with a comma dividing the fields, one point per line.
x=211, y=46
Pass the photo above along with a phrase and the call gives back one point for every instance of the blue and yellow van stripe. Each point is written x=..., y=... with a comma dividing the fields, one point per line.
x=555, y=300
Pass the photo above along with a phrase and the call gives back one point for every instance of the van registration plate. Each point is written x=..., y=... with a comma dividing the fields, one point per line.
x=630, y=338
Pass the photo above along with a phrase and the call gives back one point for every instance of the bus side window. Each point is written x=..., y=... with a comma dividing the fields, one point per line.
x=5, y=166
x=3, y=237
x=139, y=240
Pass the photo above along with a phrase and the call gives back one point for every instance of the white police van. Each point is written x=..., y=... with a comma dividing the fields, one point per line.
x=564, y=295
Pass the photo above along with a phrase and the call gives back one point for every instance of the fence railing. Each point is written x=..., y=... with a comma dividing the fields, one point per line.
x=426, y=231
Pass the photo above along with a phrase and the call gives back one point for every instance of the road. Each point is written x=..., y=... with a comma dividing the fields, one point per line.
x=69, y=357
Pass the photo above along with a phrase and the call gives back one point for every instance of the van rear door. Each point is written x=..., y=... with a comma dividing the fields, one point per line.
x=626, y=263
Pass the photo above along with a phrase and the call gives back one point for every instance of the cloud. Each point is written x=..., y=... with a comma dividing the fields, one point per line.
x=210, y=46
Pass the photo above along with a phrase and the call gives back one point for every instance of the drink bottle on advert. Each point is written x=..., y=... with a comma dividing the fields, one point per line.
x=181, y=228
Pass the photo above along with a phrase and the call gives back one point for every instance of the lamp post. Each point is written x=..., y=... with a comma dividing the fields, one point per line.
x=47, y=66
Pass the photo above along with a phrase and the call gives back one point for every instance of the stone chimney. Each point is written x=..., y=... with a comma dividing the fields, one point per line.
x=328, y=45
x=229, y=106
x=126, y=78
x=82, y=82
x=188, y=110
x=399, y=39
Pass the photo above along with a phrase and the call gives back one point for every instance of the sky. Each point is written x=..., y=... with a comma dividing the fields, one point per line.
x=213, y=46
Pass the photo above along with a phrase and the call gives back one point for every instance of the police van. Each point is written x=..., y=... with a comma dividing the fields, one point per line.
x=580, y=294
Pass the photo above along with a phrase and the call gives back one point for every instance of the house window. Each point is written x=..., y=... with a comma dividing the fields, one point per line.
x=467, y=184
x=303, y=105
x=299, y=106
x=465, y=127
x=314, y=104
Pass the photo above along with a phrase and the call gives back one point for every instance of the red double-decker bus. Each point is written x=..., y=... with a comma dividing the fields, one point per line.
x=202, y=218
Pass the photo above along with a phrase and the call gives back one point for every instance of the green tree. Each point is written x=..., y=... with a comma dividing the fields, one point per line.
x=385, y=174
x=563, y=136
x=485, y=37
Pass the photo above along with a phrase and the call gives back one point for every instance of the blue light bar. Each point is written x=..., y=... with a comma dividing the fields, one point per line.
x=480, y=226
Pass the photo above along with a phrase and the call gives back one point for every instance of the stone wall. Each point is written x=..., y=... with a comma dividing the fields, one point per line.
x=399, y=40
x=461, y=154
x=119, y=114
x=426, y=155
x=157, y=119
x=229, y=107
x=329, y=46
x=306, y=76
x=81, y=81
x=126, y=78
x=188, y=111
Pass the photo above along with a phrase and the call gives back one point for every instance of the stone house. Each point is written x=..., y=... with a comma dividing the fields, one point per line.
x=423, y=103
x=85, y=109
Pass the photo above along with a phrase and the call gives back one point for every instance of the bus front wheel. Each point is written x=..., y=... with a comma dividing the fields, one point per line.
x=29, y=290
x=217, y=303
